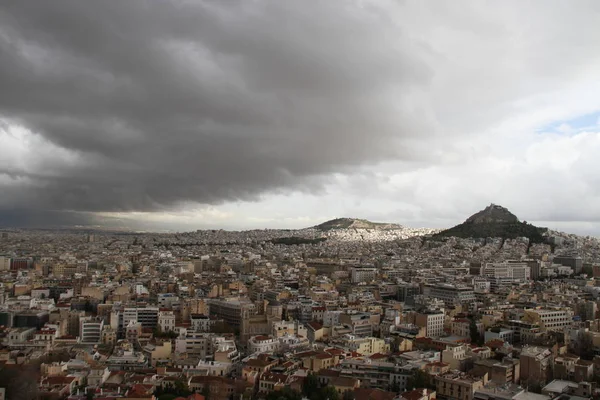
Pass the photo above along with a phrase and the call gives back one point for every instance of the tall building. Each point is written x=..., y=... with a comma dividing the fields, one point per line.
x=4, y=263
x=20, y=263
x=147, y=316
x=575, y=262
x=90, y=330
x=432, y=321
x=408, y=291
x=536, y=365
x=232, y=310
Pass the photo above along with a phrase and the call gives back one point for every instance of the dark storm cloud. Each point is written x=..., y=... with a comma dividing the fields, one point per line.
x=165, y=102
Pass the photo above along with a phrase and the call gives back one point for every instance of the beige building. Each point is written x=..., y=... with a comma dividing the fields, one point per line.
x=93, y=292
x=458, y=386
x=368, y=346
x=536, y=365
x=456, y=357
x=158, y=352
x=549, y=320
x=502, y=372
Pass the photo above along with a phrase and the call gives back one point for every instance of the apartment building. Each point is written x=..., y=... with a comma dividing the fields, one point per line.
x=147, y=316
x=166, y=321
x=549, y=320
x=536, y=364
x=232, y=310
x=432, y=321
x=360, y=323
x=456, y=357
x=363, y=274
x=90, y=330
x=450, y=294
x=506, y=273
x=194, y=344
x=507, y=371
x=375, y=374
x=262, y=344
x=368, y=345
x=455, y=385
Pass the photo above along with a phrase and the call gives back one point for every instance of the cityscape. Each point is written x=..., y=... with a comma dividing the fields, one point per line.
x=299, y=200
x=348, y=309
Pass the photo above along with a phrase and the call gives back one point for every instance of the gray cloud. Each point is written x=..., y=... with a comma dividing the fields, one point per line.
x=166, y=102
x=287, y=112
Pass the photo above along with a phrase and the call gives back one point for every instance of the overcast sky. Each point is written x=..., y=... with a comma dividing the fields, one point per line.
x=253, y=114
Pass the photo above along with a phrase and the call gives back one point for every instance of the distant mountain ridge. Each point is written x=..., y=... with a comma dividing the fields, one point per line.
x=355, y=223
x=495, y=221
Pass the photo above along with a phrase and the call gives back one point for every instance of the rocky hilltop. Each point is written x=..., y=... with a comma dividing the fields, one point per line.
x=492, y=214
x=495, y=222
x=355, y=223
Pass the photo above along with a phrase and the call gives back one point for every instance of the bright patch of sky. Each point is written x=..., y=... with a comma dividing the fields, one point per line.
x=574, y=126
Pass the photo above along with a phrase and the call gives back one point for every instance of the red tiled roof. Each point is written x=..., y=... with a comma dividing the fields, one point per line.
x=332, y=373
x=315, y=325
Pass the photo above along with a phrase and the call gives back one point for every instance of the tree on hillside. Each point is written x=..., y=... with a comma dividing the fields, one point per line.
x=311, y=385
x=20, y=382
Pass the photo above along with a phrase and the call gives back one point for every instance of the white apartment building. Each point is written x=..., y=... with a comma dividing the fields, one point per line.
x=201, y=323
x=433, y=321
x=90, y=330
x=166, y=321
x=263, y=344
x=363, y=274
x=505, y=273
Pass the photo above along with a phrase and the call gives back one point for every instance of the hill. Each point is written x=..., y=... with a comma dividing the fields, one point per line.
x=495, y=221
x=354, y=223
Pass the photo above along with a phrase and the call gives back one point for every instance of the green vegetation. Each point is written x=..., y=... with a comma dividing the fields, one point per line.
x=294, y=240
x=495, y=222
x=169, y=392
x=419, y=379
x=19, y=381
x=506, y=230
x=474, y=332
x=311, y=389
x=157, y=333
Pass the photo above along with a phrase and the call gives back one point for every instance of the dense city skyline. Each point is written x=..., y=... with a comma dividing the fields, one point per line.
x=269, y=114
